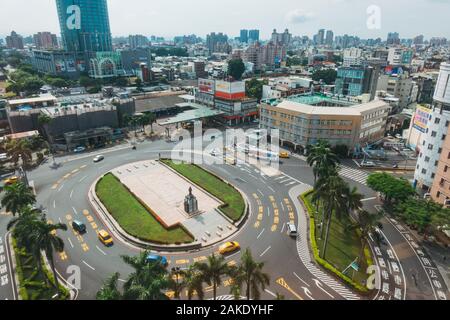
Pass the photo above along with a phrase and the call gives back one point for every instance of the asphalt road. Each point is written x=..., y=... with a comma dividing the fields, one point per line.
x=62, y=191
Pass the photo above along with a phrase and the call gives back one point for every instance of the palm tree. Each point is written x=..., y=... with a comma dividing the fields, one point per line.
x=367, y=222
x=331, y=192
x=44, y=238
x=44, y=121
x=109, y=290
x=321, y=158
x=176, y=281
x=193, y=282
x=250, y=273
x=147, y=281
x=19, y=150
x=353, y=200
x=213, y=270
x=17, y=196
x=24, y=224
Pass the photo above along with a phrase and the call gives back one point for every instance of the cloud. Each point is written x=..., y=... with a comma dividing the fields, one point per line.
x=298, y=16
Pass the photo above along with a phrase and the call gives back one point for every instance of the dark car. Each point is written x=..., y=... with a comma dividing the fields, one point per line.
x=79, y=226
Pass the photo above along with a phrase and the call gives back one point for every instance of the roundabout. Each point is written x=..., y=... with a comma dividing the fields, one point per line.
x=66, y=193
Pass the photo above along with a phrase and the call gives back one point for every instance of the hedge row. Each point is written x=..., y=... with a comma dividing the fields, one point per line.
x=319, y=260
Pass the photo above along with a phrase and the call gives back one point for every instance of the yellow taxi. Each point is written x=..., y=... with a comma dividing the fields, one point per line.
x=229, y=247
x=105, y=238
x=11, y=180
x=284, y=155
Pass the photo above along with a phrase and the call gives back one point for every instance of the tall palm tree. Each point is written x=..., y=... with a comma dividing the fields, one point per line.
x=109, y=290
x=176, y=281
x=17, y=196
x=19, y=150
x=250, y=273
x=148, y=280
x=321, y=158
x=353, y=200
x=44, y=238
x=367, y=222
x=213, y=270
x=193, y=282
x=331, y=192
x=44, y=121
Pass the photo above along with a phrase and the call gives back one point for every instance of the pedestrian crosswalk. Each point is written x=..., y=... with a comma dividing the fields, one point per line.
x=354, y=174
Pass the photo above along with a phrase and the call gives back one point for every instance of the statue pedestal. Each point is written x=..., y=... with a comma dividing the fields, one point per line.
x=191, y=204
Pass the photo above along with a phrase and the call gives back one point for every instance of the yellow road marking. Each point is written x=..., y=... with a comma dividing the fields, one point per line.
x=67, y=175
x=283, y=283
x=258, y=202
x=170, y=294
x=85, y=212
x=255, y=196
x=276, y=212
x=286, y=200
x=261, y=209
x=75, y=171
x=63, y=255
x=89, y=218
x=274, y=228
x=80, y=238
x=54, y=186
x=228, y=282
x=83, y=166
x=271, y=198
x=276, y=220
x=182, y=261
x=94, y=225
x=198, y=259
x=257, y=224
x=85, y=247
x=260, y=217
x=69, y=217
x=231, y=263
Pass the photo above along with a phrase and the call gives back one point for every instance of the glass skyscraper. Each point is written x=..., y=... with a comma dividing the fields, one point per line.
x=84, y=26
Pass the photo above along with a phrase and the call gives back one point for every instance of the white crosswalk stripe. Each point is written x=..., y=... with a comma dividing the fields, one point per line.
x=305, y=257
x=354, y=174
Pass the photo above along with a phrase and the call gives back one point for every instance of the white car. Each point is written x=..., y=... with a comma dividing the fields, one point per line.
x=398, y=280
x=382, y=263
x=390, y=254
x=216, y=152
x=98, y=158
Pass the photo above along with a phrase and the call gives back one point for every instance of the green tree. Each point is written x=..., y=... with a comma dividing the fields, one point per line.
x=121, y=82
x=322, y=159
x=250, y=273
x=327, y=75
x=147, y=281
x=213, y=270
x=44, y=238
x=254, y=88
x=19, y=150
x=367, y=223
x=193, y=282
x=17, y=197
x=236, y=68
x=109, y=290
x=393, y=189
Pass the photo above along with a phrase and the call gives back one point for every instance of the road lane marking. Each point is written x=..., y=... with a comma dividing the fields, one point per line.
x=70, y=241
x=74, y=211
x=265, y=251
x=54, y=204
x=259, y=235
x=271, y=293
x=260, y=192
x=296, y=275
x=271, y=189
x=283, y=283
x=71, y=194
x=82, y=179
x=88, y=265
x=103, y=252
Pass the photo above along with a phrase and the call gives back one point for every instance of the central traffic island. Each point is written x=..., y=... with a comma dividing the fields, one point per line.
x=168, y=205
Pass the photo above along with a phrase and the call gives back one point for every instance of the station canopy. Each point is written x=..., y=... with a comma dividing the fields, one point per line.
x=193, y=112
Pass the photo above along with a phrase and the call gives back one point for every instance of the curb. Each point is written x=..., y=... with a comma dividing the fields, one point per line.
x=63, y=282
x=12, y=255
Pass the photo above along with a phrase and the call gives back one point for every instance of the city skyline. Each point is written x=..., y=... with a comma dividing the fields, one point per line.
x=152, y=18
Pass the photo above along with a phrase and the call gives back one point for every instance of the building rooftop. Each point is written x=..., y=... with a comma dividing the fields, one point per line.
x=194, y=112
x=40, y=99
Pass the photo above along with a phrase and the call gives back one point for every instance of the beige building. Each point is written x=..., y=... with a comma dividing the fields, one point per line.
x=440, y=190
x=323, y=118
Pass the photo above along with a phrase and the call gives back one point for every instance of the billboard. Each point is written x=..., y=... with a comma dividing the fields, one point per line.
x=206, y=86
x=421, y=118
x=230, y=90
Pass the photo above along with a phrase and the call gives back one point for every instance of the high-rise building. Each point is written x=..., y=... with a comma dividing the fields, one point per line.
x=244, y=36
x=284, y=38
x=329, y=38
x=137, y=41
x=352, y=57
x=418, y=40
x=393, y=38
x=217, y=42
x=320, y=37
x=431, y=163
x=14, y=41
x=355, y=81
x=45, y=40
x=253, y=35
x=84, y=25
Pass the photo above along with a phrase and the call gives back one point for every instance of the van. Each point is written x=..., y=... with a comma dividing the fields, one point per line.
x=230, y=160
x=292, y=230
x=78, y=226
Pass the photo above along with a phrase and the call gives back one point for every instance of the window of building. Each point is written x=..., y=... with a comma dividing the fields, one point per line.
x=433, y=134
x=424, y=171
x=427, y=159
x=430, y=146
x=436, y=163
x=444, y=136
x=433, y=175
x=437, y=120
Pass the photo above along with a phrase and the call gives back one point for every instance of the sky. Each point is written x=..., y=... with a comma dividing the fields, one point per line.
x=168, y=18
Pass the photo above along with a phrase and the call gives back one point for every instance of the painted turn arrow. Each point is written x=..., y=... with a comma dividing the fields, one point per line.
x=307, y=293
x=317, y=282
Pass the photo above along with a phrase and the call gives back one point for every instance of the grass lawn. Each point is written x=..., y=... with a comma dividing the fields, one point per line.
x=133, y=217
x=32, y=284
x=343, y=247
x=234, y=203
